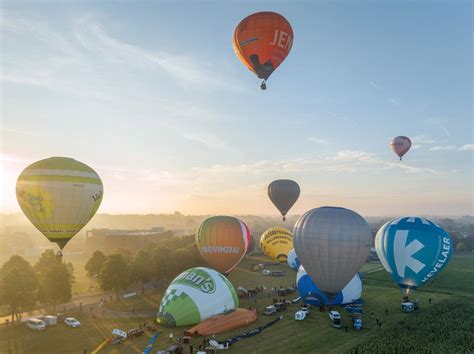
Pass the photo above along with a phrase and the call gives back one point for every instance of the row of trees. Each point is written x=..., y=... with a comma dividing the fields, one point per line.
x=22, y=285
x=159, y=261
x=49, y=280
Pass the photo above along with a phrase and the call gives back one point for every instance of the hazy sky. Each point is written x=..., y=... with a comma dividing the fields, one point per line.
x=151, y=95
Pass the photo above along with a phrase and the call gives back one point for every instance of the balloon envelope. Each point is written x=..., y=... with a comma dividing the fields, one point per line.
x=413, y=250
x=276, y=242
x=283, y=193
x=293, y=260
x=262, y=41
x=312, y=295
x=195, y=295
x=400, y=145
x=59, y=196
x=332, y=245
x=222, y=242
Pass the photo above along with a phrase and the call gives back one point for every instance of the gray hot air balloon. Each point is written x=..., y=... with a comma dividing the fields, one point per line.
x=332, y=245
x=283, y=193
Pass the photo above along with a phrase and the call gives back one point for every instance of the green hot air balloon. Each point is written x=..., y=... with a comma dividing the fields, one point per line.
x=194, y=296
x=283, y=193
x=59, y=196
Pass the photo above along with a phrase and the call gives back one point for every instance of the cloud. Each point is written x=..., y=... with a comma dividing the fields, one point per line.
x=443, y=148
x=466, y=147
x=374, y=85
x=206, y=138
x=422, y=140
x=318, y=140
x=448, y=134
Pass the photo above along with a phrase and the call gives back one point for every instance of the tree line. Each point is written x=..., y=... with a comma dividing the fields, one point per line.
x=161, y=260
x=49, y=280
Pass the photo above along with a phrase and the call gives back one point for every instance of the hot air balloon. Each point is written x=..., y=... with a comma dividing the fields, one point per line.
x=310, y=293
x=413, y=250
x=195, y=295
x=222, y=242
x=293, y=260
x=332, y=245
x=276, y=242
x=59, y=196
x=262, y=41
x=283, y=193
x=400, y=145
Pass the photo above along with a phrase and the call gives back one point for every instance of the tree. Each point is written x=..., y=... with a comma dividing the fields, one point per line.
x=95, y=263
x=164, y=262
x=18, y=285
x=115, y=274
x=142, y=268
x=55, y=279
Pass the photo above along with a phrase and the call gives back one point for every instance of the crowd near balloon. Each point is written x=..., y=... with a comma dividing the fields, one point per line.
x=327, y=245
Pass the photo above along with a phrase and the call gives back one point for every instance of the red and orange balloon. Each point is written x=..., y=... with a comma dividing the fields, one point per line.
x=262, y=41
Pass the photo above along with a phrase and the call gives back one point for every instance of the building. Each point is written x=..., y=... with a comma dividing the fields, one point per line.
x=108, y=241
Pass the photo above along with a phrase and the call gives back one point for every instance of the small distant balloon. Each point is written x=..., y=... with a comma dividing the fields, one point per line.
x=59, y=195
x=283, y=193
x=413, y=250
x=262, y=41
x=400, y=145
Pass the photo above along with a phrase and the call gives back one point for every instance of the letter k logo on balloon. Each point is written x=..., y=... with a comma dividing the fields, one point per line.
x=403, y=253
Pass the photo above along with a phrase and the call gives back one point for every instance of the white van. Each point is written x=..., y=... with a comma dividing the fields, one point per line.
x=50, y=320
x=36, y=324
x=335, y=317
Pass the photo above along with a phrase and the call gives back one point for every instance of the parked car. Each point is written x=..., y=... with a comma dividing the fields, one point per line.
x=266, y=272
x=72, y=322
x=357, y=321
x=335, y=317
x=117, y=340
x=300, y=315
x=50, y=320
x=278, y=273
x=134, y=333
x=280, y=306
x=270, y=310
x=36, y=324
x=305, y=310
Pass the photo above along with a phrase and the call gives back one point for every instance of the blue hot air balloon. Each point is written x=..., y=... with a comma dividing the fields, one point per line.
x=413, y=250
x=311, y=294
x=293, y=260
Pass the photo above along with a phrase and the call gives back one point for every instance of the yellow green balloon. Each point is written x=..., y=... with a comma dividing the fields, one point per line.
x=276, y=242
x=59, y=196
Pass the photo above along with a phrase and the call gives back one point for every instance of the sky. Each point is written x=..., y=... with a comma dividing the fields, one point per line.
x=151, y=95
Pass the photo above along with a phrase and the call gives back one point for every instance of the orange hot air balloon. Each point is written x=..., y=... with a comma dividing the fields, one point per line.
x=262, y=41
x=222, y=242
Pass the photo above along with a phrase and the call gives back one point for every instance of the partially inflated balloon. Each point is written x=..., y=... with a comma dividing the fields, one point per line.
x=283, y=193
x=195, y=295
x=222, y=242
x=332, y=245
x=59, y=195
x=293, y=260
x=311, y=294
x=276, y=242
x=413, y=250
x=262, y=41
x=400, y=145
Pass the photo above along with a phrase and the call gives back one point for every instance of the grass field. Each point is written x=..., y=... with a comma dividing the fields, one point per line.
x=315, y=334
